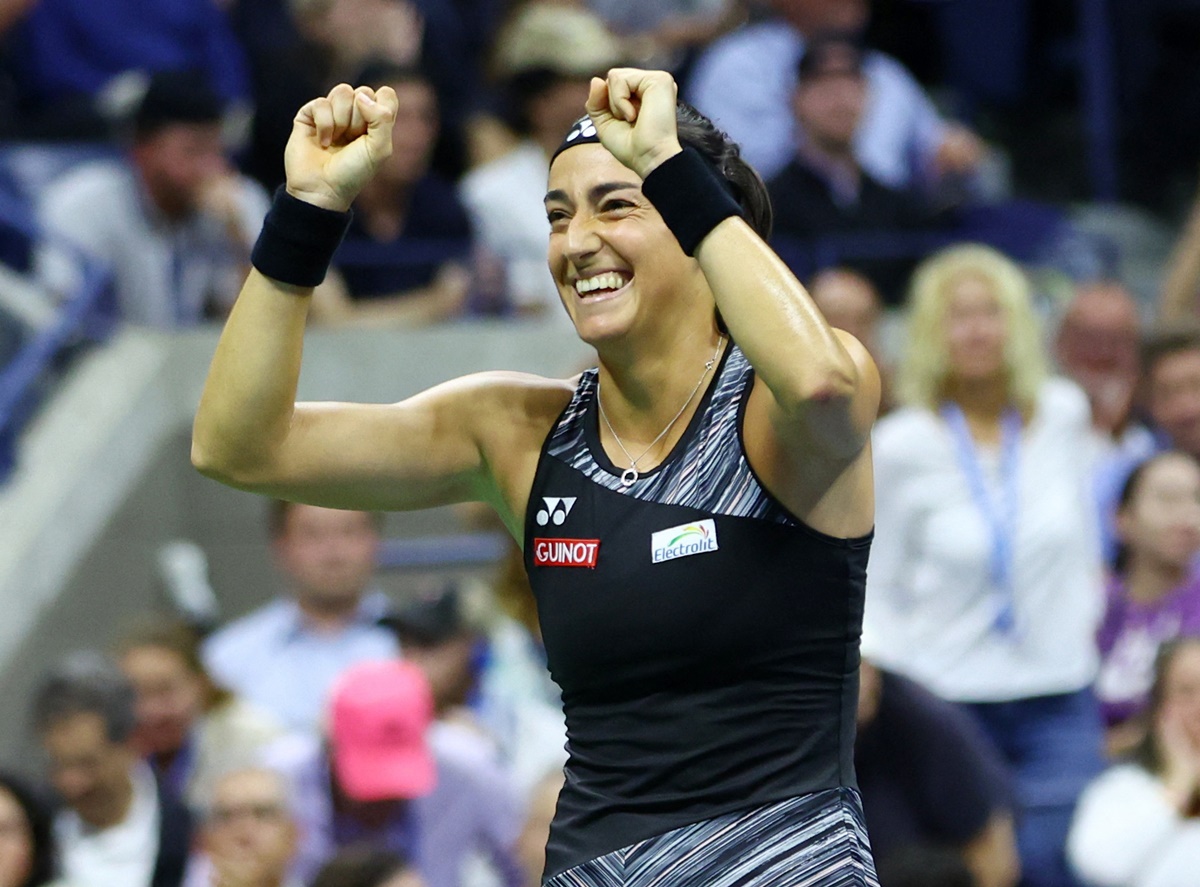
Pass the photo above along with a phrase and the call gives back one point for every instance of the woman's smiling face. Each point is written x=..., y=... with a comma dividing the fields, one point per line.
x=613, y=258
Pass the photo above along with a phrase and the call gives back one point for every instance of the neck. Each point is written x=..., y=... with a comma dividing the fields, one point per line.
x=642, y=393
x=981, y=399
x=1148, y=581
x=322, y=616
x=383, y=207
x=824, y=153
x=116, y=812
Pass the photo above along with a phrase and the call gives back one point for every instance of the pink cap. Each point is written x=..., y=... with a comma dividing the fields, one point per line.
x=379, y=712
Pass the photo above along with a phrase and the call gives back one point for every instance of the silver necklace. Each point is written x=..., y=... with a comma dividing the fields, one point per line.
x=630, y=475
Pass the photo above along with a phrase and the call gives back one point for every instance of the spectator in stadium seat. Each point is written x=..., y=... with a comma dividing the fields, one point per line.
x=332, y=42
x=851, y=302
x=405, y=210
x=1154, y=592
x=1096, y=346
x=929, y=777
x=823, y=191
x=248, y=837
x=117, y=828
x=389, y=777
x=1169, y=366
x=744, y=82
x=545, y=55
x=986, y=582
x=189, y=729
x=173, y=221
x=285, y=656
x=455, y=652
x=1137, y=824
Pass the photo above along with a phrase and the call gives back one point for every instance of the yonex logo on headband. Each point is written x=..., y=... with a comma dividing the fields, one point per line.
x=583, y=128
x=582, y=132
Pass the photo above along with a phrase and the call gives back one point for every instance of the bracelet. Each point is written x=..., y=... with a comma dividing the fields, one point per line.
x=298, y=240
x=690, y=196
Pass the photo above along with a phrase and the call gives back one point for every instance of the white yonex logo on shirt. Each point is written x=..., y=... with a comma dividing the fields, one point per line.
x=684, y=540
x=556, y=510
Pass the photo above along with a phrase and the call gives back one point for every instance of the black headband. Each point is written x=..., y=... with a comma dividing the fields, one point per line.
x=582, y=132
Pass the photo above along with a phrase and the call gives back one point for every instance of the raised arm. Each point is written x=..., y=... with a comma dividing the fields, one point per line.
x=250, y=433
x=1178, y=301
x=817, y=389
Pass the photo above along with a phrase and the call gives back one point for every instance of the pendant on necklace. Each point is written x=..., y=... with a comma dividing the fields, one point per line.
x=629, y=476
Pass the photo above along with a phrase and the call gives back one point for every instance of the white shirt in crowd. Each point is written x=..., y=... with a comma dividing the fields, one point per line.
x=1126, y=834
x=164, y=273
x=122, y=855
x=504, y=199
x=931, y=605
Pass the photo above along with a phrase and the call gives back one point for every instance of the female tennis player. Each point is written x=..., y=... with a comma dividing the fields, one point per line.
x=695, y=512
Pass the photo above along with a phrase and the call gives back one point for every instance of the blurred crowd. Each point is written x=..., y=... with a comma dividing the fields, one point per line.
x=1030, y=692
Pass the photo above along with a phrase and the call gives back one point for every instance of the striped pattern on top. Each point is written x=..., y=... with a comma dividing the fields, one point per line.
x=707, y=469
x=818, y=840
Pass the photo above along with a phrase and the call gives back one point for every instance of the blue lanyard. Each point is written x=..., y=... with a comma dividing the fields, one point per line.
x=1001, y=516
x=175, y=776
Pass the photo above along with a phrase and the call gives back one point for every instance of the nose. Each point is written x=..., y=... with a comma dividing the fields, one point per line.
x=582, y=239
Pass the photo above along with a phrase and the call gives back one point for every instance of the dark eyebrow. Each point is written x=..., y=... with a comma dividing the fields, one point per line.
x=595, y=194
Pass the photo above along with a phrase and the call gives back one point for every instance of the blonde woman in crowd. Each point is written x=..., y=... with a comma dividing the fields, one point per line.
x=985, y=581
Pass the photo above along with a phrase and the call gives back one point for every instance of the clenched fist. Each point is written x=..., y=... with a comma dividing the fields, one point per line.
x=634, y=115
x=337, y=144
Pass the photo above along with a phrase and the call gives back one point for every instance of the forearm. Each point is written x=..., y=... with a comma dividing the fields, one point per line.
x=249, y=396
x=992, y=854
x=774, y=321
x=1181, y=285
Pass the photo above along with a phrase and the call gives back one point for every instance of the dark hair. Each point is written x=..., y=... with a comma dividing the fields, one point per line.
x=698, y=132
x=822, y=48
x=86, y=682
x=360, y=866
x=277, y=512
x=1165, y=342
x=174, y=636
x=923, y=865
x=37, y=816
x=176, y=97
x=520, y=90
x=1147, y=753
x=1129, y=489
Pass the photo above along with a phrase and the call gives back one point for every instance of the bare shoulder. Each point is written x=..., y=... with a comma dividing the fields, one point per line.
x=510, y=397
x=512, y=414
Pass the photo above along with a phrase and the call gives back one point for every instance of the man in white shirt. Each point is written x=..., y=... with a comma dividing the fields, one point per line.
x=116, y=829
x=284, y=656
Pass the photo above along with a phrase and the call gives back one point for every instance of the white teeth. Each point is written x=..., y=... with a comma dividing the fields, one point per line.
x=610, y=280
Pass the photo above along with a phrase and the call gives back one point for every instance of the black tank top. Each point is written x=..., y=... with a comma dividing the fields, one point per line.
x=705, y=639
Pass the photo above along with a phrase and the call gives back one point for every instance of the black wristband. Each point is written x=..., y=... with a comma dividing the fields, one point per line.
x=298, y=240
x=690, y=196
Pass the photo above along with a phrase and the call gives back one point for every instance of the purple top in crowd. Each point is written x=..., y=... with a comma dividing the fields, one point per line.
x=1129, y=639
x=472, y=810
